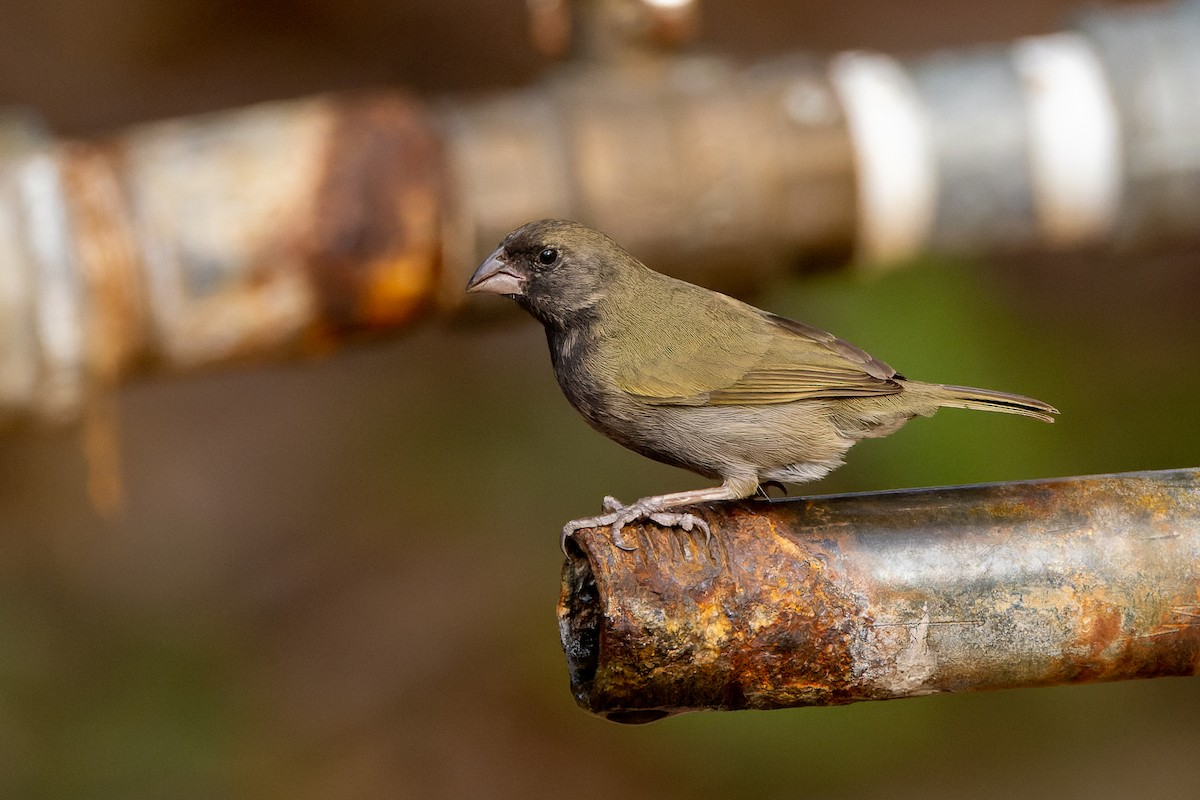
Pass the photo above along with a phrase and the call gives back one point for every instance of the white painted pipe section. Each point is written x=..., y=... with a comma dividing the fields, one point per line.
x=58, y=291
x=894, y=159
x=1074, y=139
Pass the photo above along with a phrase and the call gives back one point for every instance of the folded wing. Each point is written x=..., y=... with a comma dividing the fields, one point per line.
x=743, y=356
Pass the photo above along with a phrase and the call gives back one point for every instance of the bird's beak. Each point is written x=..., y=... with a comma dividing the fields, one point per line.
x=497, y=276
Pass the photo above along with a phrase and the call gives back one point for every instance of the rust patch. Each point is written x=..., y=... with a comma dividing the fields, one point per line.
x=1091, y=656
x=753, y=621
x=1100, y=629
x=108, y=254
x=798, y=621
x=373, y=247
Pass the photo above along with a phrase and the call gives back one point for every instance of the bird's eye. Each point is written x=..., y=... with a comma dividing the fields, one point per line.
x=548, y=256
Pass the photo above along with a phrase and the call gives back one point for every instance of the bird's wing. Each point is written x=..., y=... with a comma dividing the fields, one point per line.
x=751, y=357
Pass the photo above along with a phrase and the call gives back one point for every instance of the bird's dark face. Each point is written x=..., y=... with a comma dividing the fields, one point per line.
x=555, y=269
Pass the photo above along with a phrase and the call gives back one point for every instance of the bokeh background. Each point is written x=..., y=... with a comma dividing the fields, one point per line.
x=337, y=578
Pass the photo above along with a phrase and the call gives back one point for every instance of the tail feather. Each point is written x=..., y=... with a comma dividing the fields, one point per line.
x=988, y=400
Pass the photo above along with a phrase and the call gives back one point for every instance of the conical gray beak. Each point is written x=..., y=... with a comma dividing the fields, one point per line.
x=497, y=276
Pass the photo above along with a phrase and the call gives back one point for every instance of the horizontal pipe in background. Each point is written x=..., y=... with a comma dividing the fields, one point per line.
x=285, y=228
x=195, y=243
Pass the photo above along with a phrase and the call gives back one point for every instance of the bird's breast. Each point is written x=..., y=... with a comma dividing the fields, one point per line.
x=577, y=375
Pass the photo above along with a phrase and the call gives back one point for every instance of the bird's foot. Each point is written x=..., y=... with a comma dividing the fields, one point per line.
x=610, y=503
x=617, y=516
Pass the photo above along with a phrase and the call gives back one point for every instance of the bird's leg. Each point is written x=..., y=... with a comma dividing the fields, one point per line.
x=657, y=509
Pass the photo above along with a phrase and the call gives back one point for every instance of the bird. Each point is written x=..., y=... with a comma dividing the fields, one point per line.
x=699, y=380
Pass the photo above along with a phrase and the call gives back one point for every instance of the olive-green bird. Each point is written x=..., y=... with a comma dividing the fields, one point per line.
x=698, y=380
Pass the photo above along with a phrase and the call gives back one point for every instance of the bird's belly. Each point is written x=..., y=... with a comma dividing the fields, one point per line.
x=719, y=441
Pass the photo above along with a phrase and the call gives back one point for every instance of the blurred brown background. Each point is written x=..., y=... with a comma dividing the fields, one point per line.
x=338, y=578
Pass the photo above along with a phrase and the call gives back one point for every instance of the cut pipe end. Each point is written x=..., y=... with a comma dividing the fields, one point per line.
x=581, y=622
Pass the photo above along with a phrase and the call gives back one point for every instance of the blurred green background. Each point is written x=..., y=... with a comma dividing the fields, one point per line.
x=338, y=578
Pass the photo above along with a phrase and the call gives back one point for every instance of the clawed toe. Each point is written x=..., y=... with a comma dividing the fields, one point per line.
x=684, y=521
x=614, y=533
x=693, y=520
x=615, y=519
x=618, y=516
x=762, y=489
x=610, y=504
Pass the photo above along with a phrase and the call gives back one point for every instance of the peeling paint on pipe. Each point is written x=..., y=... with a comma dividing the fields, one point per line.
x=832, y=600
x=202, y=242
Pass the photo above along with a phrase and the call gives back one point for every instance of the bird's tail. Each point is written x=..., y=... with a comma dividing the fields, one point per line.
x=988, y=400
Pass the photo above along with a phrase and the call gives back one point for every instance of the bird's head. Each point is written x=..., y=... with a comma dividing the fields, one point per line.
x=556, y=269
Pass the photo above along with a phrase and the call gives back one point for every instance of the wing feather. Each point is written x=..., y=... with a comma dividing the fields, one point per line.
x=730, y=353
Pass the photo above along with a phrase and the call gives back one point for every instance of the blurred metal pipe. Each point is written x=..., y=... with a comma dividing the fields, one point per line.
x=259, y=233
x=195, y=243
x=831, y=600
x=1151, y=60
x=688, y=162
x=1084, y=138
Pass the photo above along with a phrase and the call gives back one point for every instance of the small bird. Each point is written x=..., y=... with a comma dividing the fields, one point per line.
x=696, y=379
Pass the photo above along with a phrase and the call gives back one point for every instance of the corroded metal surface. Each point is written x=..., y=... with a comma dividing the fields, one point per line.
x=373, y=243
x=837, y=599
x=193, y=243
x=265, y=230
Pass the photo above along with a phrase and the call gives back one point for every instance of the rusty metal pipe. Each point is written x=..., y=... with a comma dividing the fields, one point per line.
x=837, y=599
x=188, y=244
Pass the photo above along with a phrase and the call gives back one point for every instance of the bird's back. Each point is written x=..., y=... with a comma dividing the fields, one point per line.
x=669, y=338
